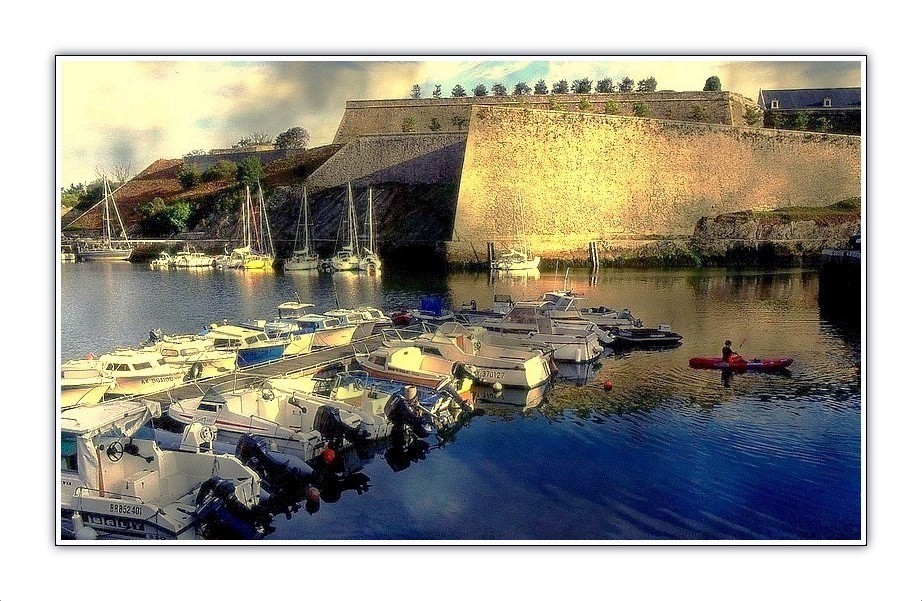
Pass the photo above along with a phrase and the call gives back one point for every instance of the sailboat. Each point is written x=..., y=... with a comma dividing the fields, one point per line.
x=346, y=259
x=370, y=260
x=304, y=258
x=257, y=251
x=108, y=249
x=517, y=257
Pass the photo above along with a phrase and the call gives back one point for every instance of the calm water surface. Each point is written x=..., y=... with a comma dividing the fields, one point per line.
x=670, y=453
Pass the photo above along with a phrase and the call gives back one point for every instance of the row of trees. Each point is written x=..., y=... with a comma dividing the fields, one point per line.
x=580, y=86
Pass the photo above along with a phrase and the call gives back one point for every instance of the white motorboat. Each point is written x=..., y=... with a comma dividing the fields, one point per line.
x=250, y=406
x=381, y=320
x=252, y=345
x=363, y=322
x=116, y=481
x=347, y=392
x=304, y=258
x=565, y=307
x=163, y=261
x=327, y=331
x=469, y=313
x=190, y=259
x=410, y=365
x=486, y=364
x=83, y=383
x=139, y=371
x=529, y=323
x=196, y=355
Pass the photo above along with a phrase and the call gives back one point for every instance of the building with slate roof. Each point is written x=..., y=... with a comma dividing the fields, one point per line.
x=831, y=110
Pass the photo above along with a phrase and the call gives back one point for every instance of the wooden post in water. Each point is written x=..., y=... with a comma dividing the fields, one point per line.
x=594, y=255
x=491, y=253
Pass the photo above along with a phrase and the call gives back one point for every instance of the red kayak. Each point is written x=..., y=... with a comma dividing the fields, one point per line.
x=740, y=364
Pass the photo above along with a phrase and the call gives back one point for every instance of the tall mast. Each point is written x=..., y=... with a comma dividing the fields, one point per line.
x=246, y=219
x=304, y=208
x=264, y=215
x=371, y=226
x=107, y=226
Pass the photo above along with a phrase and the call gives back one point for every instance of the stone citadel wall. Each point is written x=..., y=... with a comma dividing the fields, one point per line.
x=629, y=181
x=368, y=117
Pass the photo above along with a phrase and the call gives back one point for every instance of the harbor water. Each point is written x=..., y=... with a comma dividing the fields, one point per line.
x=669, y=453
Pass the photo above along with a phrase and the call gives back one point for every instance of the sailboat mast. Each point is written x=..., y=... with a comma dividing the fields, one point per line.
x=371, y=226
x=107, y=226
x=304, y=208
x=265, y=219
x=246, y=218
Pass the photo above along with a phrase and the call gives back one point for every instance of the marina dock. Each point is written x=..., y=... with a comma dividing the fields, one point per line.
x=292, y=365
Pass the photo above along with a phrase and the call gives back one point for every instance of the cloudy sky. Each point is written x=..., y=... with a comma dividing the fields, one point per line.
x=133, y=110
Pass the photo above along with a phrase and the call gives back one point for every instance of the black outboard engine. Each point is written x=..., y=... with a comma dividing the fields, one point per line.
x=224, y=515
x=278, y=471
x=331, y=426
x=400, y=456
x=404, y=415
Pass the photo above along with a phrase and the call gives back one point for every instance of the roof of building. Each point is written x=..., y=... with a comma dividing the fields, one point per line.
x=814, y=98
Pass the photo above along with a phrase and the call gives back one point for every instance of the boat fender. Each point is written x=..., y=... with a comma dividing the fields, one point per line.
x=195, y=371
x=267, y=393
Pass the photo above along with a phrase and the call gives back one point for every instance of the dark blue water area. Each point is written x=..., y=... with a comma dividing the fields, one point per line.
x=669, y=453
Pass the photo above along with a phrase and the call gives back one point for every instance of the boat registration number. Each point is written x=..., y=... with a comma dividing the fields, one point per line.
x=124, y=509
x=488, y=374
x=160, y=379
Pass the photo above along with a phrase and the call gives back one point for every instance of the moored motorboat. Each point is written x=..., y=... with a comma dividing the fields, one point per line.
x=485, y=363
x=250, y=406
x=528, y=323
x=196, y=355
x=138, y=371
x=83, y=383
x=116, y=481
x=661, y=336
x=251, y=345
x=432, y=311
x=410, y=365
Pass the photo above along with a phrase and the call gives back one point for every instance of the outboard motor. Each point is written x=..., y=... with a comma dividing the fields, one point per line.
x=278, y=471
x=400, y=457
x=224, y=515
x=331, y=426
x=402, y=414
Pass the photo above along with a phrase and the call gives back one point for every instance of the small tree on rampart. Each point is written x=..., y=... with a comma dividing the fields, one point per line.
x=540, y=88
x=458, y=92
x=561, y=87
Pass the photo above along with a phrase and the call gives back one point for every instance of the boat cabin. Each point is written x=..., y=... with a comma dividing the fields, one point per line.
x=313, y=323
x=233, y=337
x=130, y=361
x=294, y=310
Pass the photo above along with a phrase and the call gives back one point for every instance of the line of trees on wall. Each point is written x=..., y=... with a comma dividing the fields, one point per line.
x=563, y=86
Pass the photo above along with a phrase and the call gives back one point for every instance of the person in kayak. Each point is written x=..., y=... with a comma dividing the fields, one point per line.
x=727, y=353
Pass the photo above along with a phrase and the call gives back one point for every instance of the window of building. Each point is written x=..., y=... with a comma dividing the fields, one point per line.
x=827, y=102
x=774, y=104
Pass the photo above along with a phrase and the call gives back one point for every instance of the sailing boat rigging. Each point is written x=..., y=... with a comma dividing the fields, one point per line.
x=304, y=258
x=257, y=251
x=517, y=257
x=108, y=249
x=370, y=260
x=346, y=259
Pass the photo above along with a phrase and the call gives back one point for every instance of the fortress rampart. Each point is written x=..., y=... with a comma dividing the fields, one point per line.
x=367, y=117
x=628, y=181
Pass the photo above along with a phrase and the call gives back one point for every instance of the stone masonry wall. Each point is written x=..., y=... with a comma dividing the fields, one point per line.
x=629, y=181
x=366, y=117
x=407, y=158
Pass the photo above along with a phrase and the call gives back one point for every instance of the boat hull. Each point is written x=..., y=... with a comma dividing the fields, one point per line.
x=83, y=394
x=259, y=354
x=145, y=384
x=105, y=255
x=772, y=364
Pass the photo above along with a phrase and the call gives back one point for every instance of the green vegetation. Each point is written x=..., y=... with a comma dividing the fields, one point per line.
x=249, y=170
x=480, y=90
x=605, y=86
x=435, y=125
x=220, y=171
x=712, y=84
x=161, y=220
x=437, y=92
x=753, y=116
x=850, y=207
x=416, y=91
x=584, y=104
x=697, y=113
x=189, y=176
x=521, y=89
x=561, y=87
x=408, y=125
x=581, y=86
x=641, y=109
x=293, y=138
x=611, y=108
x=647, y=85
x=540, y=88
x=459, y=122
x=82, y=195
x=626, y=85
x=499, y=89
x=458, y=92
